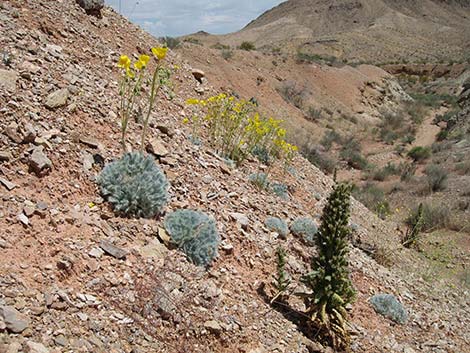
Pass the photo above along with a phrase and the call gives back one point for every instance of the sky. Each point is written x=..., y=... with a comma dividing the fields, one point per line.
x=179, y=17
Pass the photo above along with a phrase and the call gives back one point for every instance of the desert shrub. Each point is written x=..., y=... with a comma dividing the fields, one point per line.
x=390, y=307
x=329, y=283
x=392, y=127
x=414, y=228
x=260, y=180
x=278, y=225
x=436, y=177
x=419, y=153
x=247, y=46
x=373, y=198
x=319, y=159
x=134, y=185
x=408, y=170
x=310, y=58
x=192, y=40
x=314, y=113
x=383, y=173
x=236, y=129
x=304, y=228
x=434, y=217
x=434, y=100
x=463, y=168
x=221, y=46
x=195, y=233
x=330, y=137
x=171, y=42
x=280, y=190
x=416, y=110
x=351, y=153
x=227, y=54
x=293, y=93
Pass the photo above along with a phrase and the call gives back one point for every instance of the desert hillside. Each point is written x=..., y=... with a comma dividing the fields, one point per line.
x=373, y=31
x=75, y=276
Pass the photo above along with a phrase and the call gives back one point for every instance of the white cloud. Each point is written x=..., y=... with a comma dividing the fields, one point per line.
x=178, y=17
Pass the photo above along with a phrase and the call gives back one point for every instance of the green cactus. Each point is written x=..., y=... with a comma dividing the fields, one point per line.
x=134, y=185
x=195, y=234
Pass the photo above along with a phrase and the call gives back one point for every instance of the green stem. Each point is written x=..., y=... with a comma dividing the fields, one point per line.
x=151, y=103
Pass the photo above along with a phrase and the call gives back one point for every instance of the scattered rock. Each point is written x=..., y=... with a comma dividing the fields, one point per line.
x=91, y=142
x=92, y=7
x=154, y=249
x=156, y=147
x=39, y=162
x=13, y=319
x=23, y=219
x=112, y=250
x=57, y=98
x=166, y=130
x=5, y=156
x=213, y=326
x=96, y=253
x=34, y=347
x=8, y=79
x=9, y=185
x=241, y=219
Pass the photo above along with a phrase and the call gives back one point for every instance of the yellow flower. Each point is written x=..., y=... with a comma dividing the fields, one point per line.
x=139, y=65
x=160, y=53
x=176, y=67
x=192, y=101
x=144, y=59
x=185, y=120
x=124, y=62
x=130, y=73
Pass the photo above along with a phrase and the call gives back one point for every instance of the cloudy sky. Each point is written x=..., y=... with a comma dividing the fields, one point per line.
x=178, y=17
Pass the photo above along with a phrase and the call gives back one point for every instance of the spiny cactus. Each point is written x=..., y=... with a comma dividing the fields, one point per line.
x=277, y=225
x=304, y=228
x=329, y=280
x=195, y=233
x=281, y=281
x=134, y=185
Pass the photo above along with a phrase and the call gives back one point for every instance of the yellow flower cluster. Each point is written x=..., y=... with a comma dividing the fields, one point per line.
x=237, y=130
x=125, y=63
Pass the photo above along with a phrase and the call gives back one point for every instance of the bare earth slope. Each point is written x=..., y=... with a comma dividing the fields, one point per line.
x=70, y=296
x=364, y=30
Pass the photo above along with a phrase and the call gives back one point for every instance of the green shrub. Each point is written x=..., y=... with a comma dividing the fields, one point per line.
x=385, y=172
x=319, y=159
x=227, y=54
x=463, y=168
x=195, y=234
x=293, y=93
x=275, y=224
x=247, y=46
x=330, y=137
x=436, y=177
x=134, y=185
x=329, y=283
x=281, y=280
x=412, y=233
x=373, y=198
x=419, y=153
x=434, y=217
x=304, y=228
x=314, y=113
x=171, y=42
x=280, y=190
x=260, y=180
x=390, y=307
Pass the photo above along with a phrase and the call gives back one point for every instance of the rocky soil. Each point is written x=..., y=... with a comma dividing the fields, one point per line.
x=76, y=278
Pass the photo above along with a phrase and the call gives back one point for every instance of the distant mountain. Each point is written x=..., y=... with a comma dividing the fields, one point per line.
x=365, y=30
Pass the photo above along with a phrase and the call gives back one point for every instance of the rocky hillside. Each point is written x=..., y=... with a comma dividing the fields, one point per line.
x=74, y=277
x=363, y=30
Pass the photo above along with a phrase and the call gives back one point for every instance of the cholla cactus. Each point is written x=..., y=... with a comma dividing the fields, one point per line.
x=134, y=185
x=304, y=228
x=277, y=225
x=329, y=280
x=195, y=233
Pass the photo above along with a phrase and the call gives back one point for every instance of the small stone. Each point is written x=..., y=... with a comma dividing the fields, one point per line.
x=156, y=147
x=5, y=156
x=9, y=185
x=8, y=79
x=164, y=237
x=166, y=130
x=61, y=341
x=113, y=250
x=91, y=142
x=34, y=347
x=96, y=253
x=213, y=326
x=13, y=319
x=154, y=249
x=241, y=219
x=57, y=98
x=39, y=162
x=23, y=219
x=12, y=132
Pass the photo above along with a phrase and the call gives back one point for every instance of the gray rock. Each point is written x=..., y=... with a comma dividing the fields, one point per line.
x=5, y=156
x=13, y=319
x=57, y=98
x=91, y=142
x=34, y=347
x=213, y=326
x=154, y=249
x=198, y=74
x=241, y=219
x=39, y=162
x=9, y=185
x=8, y=79
x=112, y=250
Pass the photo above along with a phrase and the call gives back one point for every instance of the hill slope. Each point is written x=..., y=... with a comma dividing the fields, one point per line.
x=65, y=294
x=364, y=30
